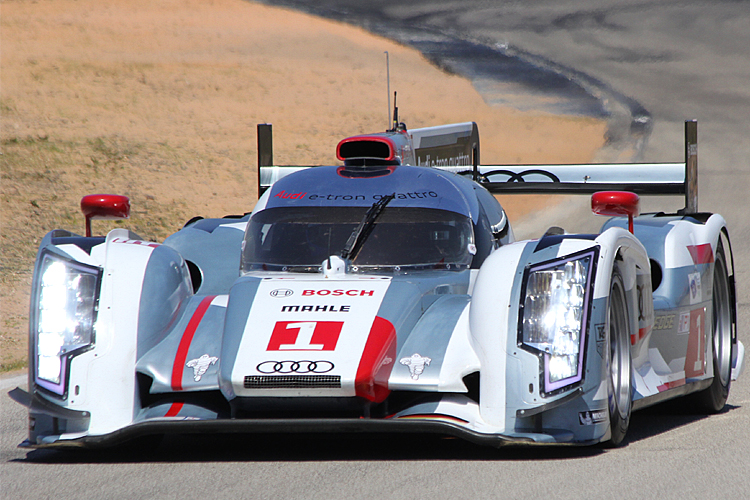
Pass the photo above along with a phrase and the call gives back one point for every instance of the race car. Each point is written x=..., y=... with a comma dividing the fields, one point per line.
x=387, y=293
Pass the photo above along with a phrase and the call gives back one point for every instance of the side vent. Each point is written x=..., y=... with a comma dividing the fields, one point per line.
x=196, y=275
x=471, y=381
x=656, y=274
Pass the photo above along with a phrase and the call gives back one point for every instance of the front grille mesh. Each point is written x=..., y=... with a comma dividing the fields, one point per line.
x=292, y=382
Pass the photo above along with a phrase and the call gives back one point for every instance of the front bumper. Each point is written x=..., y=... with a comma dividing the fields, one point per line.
x=180, y=425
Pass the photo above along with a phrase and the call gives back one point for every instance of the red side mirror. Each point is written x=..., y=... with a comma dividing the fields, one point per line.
x=616, y=204
x=104, y=206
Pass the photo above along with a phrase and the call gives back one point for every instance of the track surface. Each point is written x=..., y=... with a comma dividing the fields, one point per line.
x=679, y=60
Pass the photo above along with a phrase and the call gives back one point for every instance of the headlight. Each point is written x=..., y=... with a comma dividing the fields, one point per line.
x=66, y=301
x=554, y=317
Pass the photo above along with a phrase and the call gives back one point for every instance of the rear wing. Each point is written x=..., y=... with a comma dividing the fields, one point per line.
x=455, y=148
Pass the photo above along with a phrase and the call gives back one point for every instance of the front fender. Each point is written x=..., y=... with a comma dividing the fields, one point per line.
x=489, y=319
x=619, y=247
x=101, y=380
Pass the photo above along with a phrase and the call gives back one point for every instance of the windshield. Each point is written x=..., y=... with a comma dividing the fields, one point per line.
x=301, y=238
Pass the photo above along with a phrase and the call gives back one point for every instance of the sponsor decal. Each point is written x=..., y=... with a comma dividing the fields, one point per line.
x=684, y=324
x=601, y=338
x=288, y=366
x=521, y=176
x=460, y=160
x=305, y=336
x=136, y=242
x=592, y=417
x=416, y=364
x=664, y=322
x=281, y=292
x=290, y=196
x=320, y=308
x=339, y=293
x=329, y=333
x=695, y=288
x=200, y=365
x=335, y=197
x=696, y=348
x=412, y=195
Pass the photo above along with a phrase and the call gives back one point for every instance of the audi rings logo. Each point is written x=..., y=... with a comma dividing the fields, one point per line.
x=300, y=367
x=281, y=292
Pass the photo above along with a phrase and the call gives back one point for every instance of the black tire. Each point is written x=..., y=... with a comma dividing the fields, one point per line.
x=619, y=363
x=713, y=398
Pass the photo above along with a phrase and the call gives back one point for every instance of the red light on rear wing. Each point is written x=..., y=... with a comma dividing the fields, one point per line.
x=104, y=206
x=616, y=204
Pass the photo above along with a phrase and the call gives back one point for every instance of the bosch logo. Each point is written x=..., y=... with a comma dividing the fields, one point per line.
x=339, y=293
x=281, y=292
x=288, y=366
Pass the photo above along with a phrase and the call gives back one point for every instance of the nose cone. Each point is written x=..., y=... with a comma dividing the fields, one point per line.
x=317, y=337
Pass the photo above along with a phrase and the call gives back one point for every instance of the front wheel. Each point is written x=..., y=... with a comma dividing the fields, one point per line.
x=620, y=373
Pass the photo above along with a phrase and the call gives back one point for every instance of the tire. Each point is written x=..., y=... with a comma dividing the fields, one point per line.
x=619, y=363
x=713, y=398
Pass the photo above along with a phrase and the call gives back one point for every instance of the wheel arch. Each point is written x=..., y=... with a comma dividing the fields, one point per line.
x=620, y=248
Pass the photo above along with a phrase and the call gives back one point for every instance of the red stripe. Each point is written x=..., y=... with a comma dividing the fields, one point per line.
x=187, y=338
x=642, y=333
x=174, y=409
x=671, y=385
x=377, y=360
x=634, y=338
x=701, y=254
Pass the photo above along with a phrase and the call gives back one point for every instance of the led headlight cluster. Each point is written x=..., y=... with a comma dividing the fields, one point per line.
x=554, y=317
x=66, y=300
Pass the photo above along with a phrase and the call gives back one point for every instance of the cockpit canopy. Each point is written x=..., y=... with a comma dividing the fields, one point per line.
x=299, y=239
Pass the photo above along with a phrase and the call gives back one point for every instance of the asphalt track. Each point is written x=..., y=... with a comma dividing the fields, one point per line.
x=652, y=63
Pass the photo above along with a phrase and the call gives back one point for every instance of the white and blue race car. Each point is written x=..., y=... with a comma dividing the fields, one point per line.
x=388, y=294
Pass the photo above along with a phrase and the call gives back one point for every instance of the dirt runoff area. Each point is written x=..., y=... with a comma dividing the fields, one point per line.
x=159, y=101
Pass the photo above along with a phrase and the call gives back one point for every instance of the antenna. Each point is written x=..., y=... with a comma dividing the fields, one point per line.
x=395, y=112
x=393, y=121
x=388, y=82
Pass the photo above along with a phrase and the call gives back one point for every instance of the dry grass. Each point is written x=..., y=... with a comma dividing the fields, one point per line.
x=159, y=101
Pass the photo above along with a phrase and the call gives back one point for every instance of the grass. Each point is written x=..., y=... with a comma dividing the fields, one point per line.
x=17, y=364
x=42, y=181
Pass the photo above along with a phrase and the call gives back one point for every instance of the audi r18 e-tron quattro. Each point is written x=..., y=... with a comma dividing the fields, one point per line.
x=387, y=293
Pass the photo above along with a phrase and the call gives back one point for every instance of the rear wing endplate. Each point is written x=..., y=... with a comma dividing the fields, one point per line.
x=640, y=178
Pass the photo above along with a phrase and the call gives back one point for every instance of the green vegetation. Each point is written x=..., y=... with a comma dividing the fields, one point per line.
x=41, y=183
